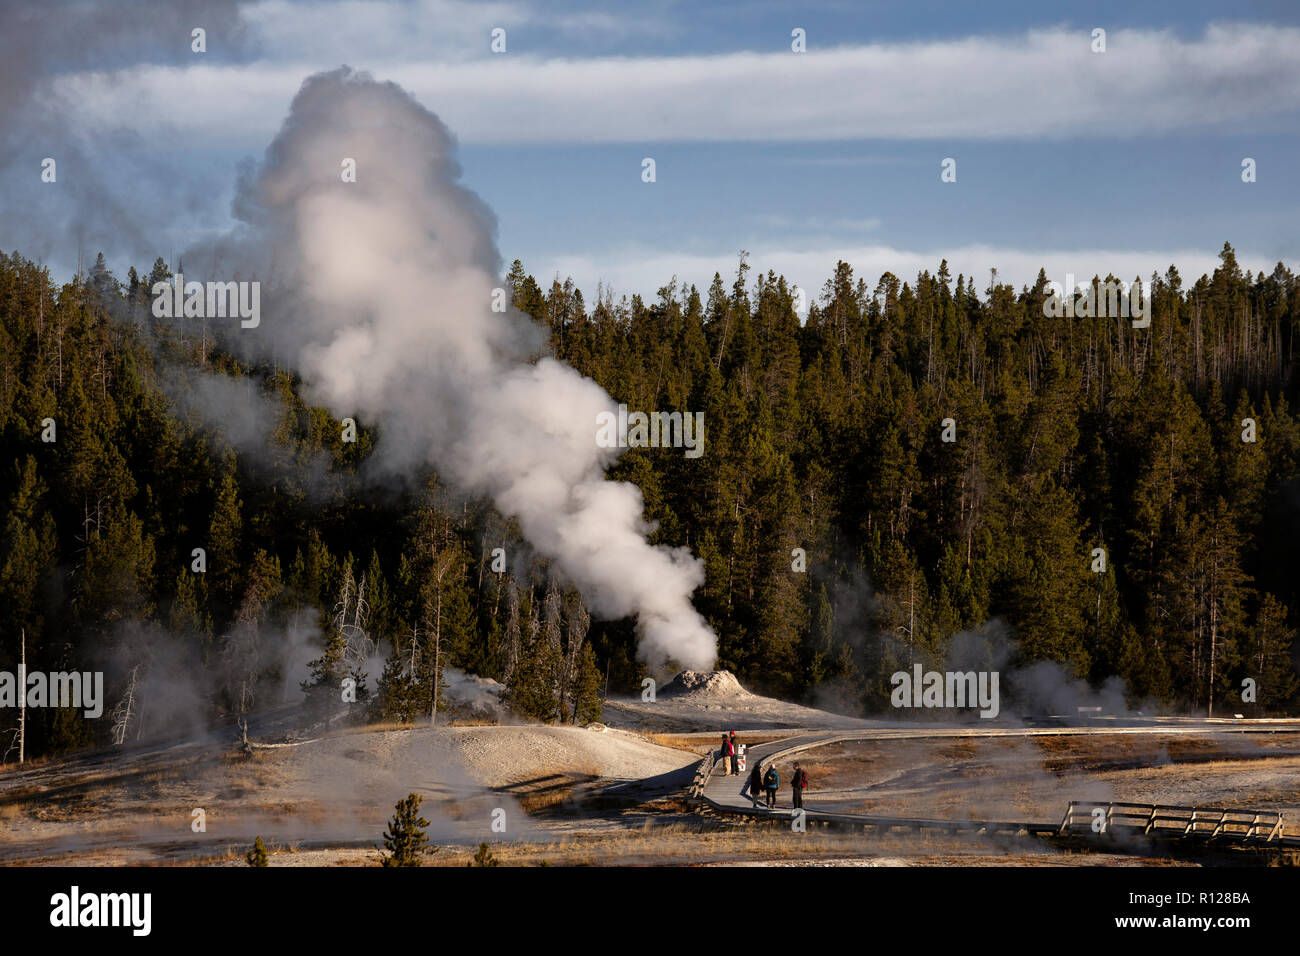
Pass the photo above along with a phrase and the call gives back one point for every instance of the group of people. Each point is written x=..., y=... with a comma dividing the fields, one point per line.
x=763, y=782
x=769, y=781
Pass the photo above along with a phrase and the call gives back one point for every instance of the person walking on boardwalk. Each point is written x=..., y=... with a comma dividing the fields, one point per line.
x=771, y=780
x=798, y=783
x=735, y=753
x=755, y=783
x=728, y=755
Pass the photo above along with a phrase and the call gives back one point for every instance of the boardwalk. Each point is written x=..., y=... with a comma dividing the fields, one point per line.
x=730, y=794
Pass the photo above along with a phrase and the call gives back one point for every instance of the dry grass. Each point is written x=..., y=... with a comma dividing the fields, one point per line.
x=682, y=742
x=843, y=764
x=706, y=743
x=31, y=762
x=702, y=843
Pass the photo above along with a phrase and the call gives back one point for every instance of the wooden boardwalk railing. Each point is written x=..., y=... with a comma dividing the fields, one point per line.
x=1210, y=823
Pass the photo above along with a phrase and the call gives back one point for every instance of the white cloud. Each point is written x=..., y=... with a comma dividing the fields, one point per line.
x=1041, y=84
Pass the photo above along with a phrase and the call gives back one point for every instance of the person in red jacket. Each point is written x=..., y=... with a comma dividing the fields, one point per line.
x=735, y=753
x=728, y=755
x=798, y=783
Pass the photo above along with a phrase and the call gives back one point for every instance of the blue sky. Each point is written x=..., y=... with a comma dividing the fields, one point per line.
x=1122, y=161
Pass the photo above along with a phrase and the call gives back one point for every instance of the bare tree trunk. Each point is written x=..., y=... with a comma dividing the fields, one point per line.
x=22, y=701
x=437, y=646
x=442, y=564
x=1213, y=647
x=433, y=711
x=125, y=709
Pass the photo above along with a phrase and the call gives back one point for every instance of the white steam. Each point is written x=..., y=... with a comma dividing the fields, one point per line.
x=379, y=291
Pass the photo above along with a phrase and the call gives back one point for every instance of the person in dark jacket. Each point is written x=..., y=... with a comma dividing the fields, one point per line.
x=755, y=783
x=735, y=753
x=724, y=756
x=771, y=780
x=798, y=783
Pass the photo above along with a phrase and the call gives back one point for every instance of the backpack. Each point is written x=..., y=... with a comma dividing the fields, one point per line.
x=801, y=779
x=772, y=779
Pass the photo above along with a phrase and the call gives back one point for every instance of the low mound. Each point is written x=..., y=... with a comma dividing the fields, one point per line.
x=489, y=756
x=700, y=685
x=497, y=756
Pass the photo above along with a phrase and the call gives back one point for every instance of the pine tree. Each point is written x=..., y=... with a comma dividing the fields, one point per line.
x=257, y=855
x=27, y=549
x=587, y=690
x=224, y=535
x=326, y=672
x=1269, y=658
x=533, y=689
x=405, y=839
x=484, y=856
x=397, y=699
x=185, y=618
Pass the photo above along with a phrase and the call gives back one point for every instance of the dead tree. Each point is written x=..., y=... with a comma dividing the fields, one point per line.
x=124, y=712
x=358, y=647
x=240, y=673
x=22, y=704
x=13, y=745
x=245, y=705
x=18, y=736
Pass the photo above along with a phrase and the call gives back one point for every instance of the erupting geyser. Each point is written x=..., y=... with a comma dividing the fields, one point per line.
x=379, y=291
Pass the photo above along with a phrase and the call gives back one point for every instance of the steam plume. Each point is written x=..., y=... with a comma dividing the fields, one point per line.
x=380, y=294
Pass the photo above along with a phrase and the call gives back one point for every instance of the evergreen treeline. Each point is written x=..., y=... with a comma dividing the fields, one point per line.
x=1071, y=435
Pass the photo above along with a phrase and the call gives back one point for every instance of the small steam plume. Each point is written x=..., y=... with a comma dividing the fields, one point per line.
x=1038, y=688
x=379, y=292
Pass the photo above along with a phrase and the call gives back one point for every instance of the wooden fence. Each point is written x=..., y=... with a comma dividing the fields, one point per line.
x=1210, y=823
